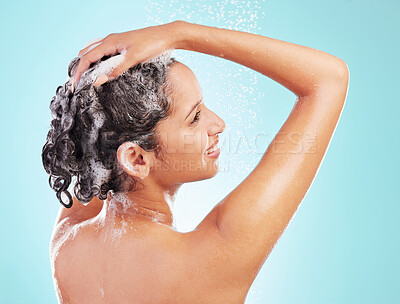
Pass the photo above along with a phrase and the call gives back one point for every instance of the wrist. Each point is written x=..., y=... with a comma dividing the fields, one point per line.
x=180, y=35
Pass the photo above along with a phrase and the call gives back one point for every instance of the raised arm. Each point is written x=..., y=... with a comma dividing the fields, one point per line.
x=253, y=216
x=238, y=234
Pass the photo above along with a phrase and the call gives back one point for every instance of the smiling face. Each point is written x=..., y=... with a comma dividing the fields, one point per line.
x=187, y=133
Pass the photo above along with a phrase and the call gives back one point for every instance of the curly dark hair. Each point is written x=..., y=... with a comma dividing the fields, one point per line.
x=90, y=124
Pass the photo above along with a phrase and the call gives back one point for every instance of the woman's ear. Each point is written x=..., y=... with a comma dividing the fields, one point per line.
x=133, y=159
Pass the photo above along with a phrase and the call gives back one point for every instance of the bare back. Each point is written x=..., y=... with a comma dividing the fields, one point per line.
x=136, y=260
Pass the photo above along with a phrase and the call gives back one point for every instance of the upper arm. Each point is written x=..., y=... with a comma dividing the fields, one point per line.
x=252, y=217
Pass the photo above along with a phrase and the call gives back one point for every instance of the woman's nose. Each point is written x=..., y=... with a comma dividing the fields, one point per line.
x=217, y=125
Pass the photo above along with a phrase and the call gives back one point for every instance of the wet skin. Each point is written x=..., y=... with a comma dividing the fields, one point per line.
x=102, y=253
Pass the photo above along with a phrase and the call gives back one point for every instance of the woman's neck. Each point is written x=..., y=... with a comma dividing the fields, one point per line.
x=153, y=202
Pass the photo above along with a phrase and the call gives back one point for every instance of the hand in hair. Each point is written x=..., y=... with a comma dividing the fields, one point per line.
x=140, y=45
x=100, y=80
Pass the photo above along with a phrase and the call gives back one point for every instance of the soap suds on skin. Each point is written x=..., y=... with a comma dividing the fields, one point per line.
x=117, y=205
x=101, y=291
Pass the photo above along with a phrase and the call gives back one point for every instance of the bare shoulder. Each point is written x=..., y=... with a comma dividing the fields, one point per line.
x=79, y=210
x=145, y=257
x=188, y=267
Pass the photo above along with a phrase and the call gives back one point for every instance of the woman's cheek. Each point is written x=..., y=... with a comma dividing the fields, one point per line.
x=187, y=143
x=200, y=142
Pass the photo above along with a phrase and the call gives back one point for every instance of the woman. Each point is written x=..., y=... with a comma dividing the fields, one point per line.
x=122, y=246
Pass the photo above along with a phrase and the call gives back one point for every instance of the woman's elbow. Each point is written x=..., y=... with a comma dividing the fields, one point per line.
x=340, y=72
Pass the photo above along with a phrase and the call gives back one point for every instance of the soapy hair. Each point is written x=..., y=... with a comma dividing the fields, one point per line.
x=89, y=125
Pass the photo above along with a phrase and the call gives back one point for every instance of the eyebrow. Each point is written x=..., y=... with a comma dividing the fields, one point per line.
x=194, y=107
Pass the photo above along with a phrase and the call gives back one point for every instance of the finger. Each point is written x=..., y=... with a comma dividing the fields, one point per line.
x=100, y=80
x=119, y=69
x=92, y=56
x=90, y=45
x=87, y=49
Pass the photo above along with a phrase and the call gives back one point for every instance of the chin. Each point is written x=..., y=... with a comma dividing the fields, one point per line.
x=212, y=169
x=204, y=174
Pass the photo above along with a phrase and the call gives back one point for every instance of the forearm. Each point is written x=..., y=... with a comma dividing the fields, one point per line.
x=298, y=68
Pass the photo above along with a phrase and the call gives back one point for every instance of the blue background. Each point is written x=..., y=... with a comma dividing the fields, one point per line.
x=342, y=246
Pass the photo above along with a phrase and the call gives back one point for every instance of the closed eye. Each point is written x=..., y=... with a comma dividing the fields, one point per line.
x=196, y=117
